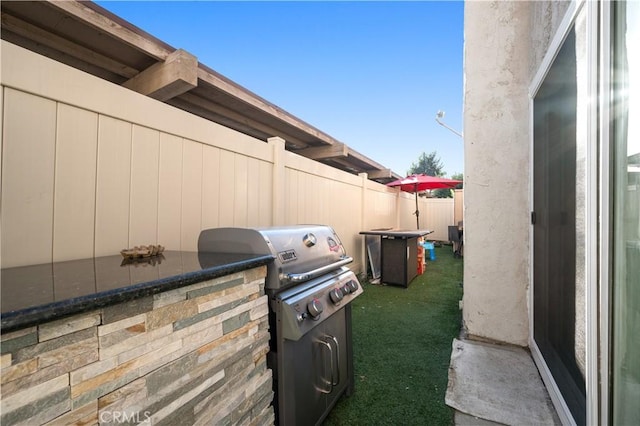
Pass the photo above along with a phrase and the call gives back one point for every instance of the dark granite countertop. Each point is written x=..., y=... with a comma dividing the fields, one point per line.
x=38, y=293
x=398, y=233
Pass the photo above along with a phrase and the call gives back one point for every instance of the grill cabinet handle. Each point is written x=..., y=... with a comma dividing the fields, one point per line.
x=305, y=276
x=335, y=372
x=334, y=365
x=329, y=383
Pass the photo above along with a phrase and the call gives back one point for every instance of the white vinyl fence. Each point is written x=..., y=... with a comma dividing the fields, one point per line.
x=90, y=168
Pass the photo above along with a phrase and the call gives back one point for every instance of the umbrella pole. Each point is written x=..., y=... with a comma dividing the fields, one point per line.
x=417, y=212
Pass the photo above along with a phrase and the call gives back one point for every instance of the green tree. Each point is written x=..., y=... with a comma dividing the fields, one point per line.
x=428, y=164
x=460, y=177
x=447, y=193
x=443, y=193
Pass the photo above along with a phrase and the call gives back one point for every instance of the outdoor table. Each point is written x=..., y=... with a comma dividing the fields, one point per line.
x=398, y=254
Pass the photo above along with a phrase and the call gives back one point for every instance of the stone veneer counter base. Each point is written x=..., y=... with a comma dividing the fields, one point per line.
x=181, y=341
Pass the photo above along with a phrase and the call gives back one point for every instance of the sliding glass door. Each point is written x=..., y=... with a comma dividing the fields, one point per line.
x=585, y=296
x=559, y=144
x=625, y=214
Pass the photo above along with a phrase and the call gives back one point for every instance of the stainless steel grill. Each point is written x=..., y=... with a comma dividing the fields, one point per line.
x=310, y=290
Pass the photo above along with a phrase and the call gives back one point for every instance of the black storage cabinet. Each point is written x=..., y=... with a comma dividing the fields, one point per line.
x=399, y=259
x=398, y=254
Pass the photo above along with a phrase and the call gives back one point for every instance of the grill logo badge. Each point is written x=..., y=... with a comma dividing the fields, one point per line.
x=333, y=246
x=287, y=256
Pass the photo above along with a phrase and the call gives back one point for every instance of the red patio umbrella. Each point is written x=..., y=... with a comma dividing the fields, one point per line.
x=421, y=182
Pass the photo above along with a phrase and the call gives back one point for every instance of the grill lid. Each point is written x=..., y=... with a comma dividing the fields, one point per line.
x=301, y=252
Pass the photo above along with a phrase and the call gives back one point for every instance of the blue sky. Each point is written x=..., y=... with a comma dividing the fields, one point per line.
x=370, y=74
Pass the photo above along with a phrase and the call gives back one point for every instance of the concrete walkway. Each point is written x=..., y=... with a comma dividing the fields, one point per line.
x=491, y=384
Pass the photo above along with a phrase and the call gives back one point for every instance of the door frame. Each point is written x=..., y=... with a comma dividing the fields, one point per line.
x=593, y=232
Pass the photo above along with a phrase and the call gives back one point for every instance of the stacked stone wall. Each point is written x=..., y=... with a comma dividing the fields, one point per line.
x=193, y=355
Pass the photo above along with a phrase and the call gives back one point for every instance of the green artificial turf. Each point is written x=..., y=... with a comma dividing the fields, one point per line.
x=402, y=344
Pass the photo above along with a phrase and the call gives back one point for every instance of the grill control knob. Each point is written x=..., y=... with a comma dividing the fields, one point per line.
x=353, y=285
x=336, y=295
x=315, y=308
x=346, y=290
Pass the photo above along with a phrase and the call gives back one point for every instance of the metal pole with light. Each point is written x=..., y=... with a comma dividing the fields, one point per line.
x=440, y=115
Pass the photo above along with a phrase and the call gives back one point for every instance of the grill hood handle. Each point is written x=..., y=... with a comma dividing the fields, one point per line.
x=305, y=276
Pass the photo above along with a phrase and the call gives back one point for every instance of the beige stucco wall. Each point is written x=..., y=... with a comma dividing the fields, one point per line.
x=504, y=44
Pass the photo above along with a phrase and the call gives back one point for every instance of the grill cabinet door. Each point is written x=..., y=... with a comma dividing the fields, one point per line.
x=314, y=372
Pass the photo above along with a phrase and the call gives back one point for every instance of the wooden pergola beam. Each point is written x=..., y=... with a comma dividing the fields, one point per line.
x=379, y=174
x=168, y=79
x=336, y=150
x=46, y=38
x=126, y=49
x=263, y=106
x=346, y=165
x=84, y=12
x=234, y=119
